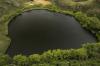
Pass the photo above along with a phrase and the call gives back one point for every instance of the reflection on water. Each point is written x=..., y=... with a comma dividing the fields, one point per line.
x=39, y=30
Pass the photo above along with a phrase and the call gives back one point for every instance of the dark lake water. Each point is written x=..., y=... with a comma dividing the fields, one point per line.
x=39, y=30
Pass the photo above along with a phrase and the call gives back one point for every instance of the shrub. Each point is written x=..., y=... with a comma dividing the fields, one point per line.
x=4, y=59
x=20, y=60
x=35, y=58
x=88, y=55
x=93, y=50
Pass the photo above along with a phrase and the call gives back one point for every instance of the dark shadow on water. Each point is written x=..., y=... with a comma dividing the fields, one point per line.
x=39, y=30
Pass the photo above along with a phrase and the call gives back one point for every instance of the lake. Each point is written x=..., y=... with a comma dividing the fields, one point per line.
x=37, y=31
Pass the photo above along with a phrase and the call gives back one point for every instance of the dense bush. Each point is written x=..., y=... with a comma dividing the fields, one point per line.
x=20, y=60
x=88, y=55
x=4, y=59
x=88, y=22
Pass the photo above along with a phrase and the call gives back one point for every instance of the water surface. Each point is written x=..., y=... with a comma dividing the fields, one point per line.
x=39, y=30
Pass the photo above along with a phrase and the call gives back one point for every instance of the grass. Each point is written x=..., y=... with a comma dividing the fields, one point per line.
x=4, y=43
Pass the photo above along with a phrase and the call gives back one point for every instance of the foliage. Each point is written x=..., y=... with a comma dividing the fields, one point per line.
x=88, y=55
x=90, y=23
x=20, y=60
x=35, y=58
x=4, y=59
